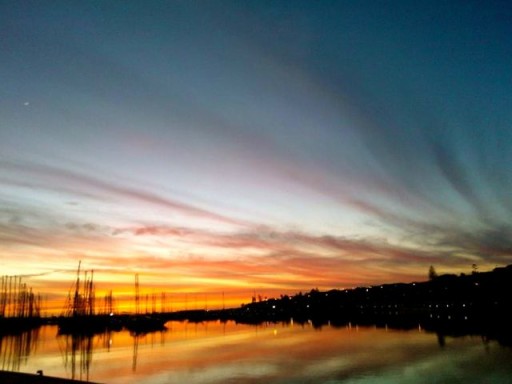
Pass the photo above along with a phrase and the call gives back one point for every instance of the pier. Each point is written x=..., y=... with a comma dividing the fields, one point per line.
x=27, y=378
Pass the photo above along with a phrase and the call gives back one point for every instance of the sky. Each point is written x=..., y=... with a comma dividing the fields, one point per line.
x=253, y=147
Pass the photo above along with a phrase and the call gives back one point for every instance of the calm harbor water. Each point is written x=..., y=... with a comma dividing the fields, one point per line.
x=215, y=352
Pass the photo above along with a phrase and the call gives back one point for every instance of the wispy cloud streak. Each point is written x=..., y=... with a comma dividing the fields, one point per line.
x=48, y=174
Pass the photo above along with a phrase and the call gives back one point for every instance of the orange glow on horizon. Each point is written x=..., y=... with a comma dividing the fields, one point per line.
x=177, y=295
x=255, y=264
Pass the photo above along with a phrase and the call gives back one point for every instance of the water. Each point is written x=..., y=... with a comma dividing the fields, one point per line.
x=215, y=352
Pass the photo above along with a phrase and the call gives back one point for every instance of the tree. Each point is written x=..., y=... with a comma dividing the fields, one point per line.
x=432, y=274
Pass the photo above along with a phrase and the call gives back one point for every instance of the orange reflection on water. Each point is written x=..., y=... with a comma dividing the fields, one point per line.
x=202, y=352
x=217, y=352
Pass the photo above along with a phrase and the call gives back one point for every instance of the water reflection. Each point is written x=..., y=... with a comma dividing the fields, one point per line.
x=147, y=337
x=135, y=352
x=15, y=349
x=219, y=352
x=77, y=351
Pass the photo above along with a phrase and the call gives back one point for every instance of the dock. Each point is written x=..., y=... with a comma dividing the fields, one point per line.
x=7, y=377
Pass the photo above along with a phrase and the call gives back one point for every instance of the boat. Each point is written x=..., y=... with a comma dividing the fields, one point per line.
x=140, y=324
x=79, y=316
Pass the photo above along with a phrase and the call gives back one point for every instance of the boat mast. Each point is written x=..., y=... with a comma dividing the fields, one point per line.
x=137, y=295
x=76, y=299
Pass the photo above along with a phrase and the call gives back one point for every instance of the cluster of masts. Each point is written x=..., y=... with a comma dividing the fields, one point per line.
x=17, y=300
x=141, y=299
x=81, y=301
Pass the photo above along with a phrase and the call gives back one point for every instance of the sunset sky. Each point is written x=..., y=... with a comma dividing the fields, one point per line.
x=253, y=146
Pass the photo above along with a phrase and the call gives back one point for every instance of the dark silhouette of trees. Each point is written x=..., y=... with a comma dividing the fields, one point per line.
x=432, y=274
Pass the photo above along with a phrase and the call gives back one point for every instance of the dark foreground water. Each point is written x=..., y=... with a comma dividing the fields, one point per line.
x=215, y=352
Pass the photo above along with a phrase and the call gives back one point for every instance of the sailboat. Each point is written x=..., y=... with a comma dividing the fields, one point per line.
x=79, y=315
x=143, y=323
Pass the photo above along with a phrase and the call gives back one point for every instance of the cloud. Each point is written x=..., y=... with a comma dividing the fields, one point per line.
x=267, y=239
x=489, y=245
x=457, y=176
x=44, y=175
x=291, y=249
